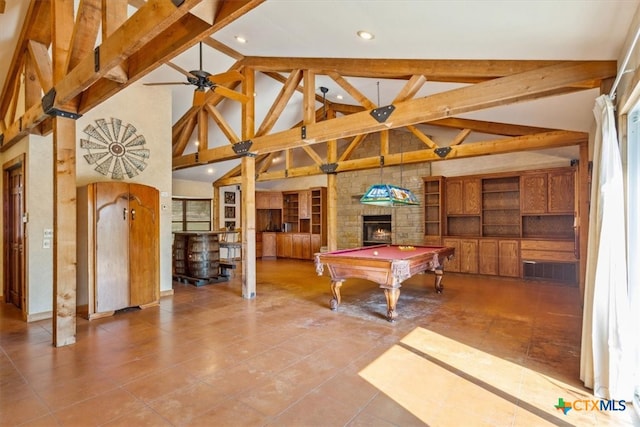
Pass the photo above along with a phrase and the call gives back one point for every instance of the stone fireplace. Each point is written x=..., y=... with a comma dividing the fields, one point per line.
x=376, y=230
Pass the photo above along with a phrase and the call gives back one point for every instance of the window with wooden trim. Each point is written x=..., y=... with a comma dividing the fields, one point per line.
x=191, y=215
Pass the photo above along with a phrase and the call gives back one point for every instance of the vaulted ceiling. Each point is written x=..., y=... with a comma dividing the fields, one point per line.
x=474, y=76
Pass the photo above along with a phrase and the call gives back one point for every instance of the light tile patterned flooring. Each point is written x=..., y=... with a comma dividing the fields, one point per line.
x=487, y=352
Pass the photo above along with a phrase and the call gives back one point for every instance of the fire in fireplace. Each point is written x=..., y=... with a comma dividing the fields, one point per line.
x=376, y=230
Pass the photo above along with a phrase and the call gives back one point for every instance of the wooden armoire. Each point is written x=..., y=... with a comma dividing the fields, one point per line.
x=118, y=248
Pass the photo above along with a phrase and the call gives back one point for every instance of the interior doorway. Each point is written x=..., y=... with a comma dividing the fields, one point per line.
x=14, y=232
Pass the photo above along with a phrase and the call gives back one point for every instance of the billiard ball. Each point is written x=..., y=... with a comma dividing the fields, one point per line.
x=375, y=253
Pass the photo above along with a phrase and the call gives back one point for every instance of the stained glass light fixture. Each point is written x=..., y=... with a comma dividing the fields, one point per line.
x=389, y=194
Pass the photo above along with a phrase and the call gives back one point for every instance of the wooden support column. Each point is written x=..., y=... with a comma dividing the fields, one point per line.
x=64, y=186
x=249, y=227
x=248, y=166
x=332, y=212
x=64, y=235
x=332, y=193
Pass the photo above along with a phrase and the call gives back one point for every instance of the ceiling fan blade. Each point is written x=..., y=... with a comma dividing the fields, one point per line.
x=231, y=94
x=179, y=69
x=199, y=97
x=226, y=77
x=166, y=83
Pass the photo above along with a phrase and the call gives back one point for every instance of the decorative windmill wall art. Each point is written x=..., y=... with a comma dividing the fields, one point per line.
x=115, y=148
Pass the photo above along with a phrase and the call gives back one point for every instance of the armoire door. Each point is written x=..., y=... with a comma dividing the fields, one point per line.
x=111, y=246
x=143, y=244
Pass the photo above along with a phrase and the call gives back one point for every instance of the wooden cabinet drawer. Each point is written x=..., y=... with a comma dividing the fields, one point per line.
x=547, y=245
x=548, y=250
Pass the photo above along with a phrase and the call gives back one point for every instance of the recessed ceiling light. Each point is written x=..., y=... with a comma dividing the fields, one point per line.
x=366, y=35
x=210, y=170
x=197, y=143
x=339, y=96
x=241, y=39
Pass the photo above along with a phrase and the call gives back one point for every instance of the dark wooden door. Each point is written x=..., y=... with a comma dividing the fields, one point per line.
x=14, y=236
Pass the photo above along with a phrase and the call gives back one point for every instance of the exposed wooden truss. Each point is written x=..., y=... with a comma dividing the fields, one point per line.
x=130, y=48
x=497, y=83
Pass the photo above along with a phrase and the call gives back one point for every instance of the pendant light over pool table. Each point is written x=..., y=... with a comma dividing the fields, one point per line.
x=389, y=194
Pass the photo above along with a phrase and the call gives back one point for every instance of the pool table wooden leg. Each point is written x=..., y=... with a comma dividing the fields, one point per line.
x=392, y=295
x=335, y=291
x=439, y=287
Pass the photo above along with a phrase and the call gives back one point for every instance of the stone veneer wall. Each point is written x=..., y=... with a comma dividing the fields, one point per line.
x=406, y=221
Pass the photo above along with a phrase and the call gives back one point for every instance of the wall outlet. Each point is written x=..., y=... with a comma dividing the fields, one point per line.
x=46, y=244
x=48, y=233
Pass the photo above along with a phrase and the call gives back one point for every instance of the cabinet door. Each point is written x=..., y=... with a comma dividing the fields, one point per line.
x=533, y=193
x=454, y=263
x=304, y=204
x=488, y=257
x=283, y=245
x=454, y=196
x=301, y=246
x=316, y=244
x=468, y=256
x=262, y=200
x=509, y=254
x=143, y=245
x=268, y=245
x=471, y=196
x=275, y=200
x=111, y=246
x=463, y=196
x=561, y=192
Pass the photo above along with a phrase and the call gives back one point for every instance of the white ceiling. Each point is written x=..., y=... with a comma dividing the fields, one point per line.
x=421, y=29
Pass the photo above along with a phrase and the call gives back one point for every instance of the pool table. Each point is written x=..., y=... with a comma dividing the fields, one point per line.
x=386, y=265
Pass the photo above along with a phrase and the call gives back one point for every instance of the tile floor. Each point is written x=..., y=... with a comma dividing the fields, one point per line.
x=486, y=352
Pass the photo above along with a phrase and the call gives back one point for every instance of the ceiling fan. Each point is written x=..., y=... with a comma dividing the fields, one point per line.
x=204, y=80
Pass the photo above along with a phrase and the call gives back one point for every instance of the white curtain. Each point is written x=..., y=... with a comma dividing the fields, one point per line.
x=606, y=361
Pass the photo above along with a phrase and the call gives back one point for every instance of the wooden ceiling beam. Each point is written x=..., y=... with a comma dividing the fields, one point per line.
x=222, y=123
x=39, y=53
x=36, y=27
x=351, y=90
x=280, y=103
x=422, y=136
x=491, y=128
x=85, y=31
x=545, y=140
x=506, y=90
x=148, y=22
x=462, y=71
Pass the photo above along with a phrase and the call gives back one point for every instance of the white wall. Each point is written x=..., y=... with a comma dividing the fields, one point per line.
x=192, y=189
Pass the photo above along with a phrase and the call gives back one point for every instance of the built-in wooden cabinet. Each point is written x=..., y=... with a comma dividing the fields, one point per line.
x=488, y=257
x=269, y=245
x=303, y=219
x=118, y=247
x=491, y=220
x=433, y=209
x=304, y=204
x=509, y=258
x=268, y=200
x=548, y=192
x=284, y=245
x=463, y=196
x=301, y=246
x=501, y=206
x=291, y=210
